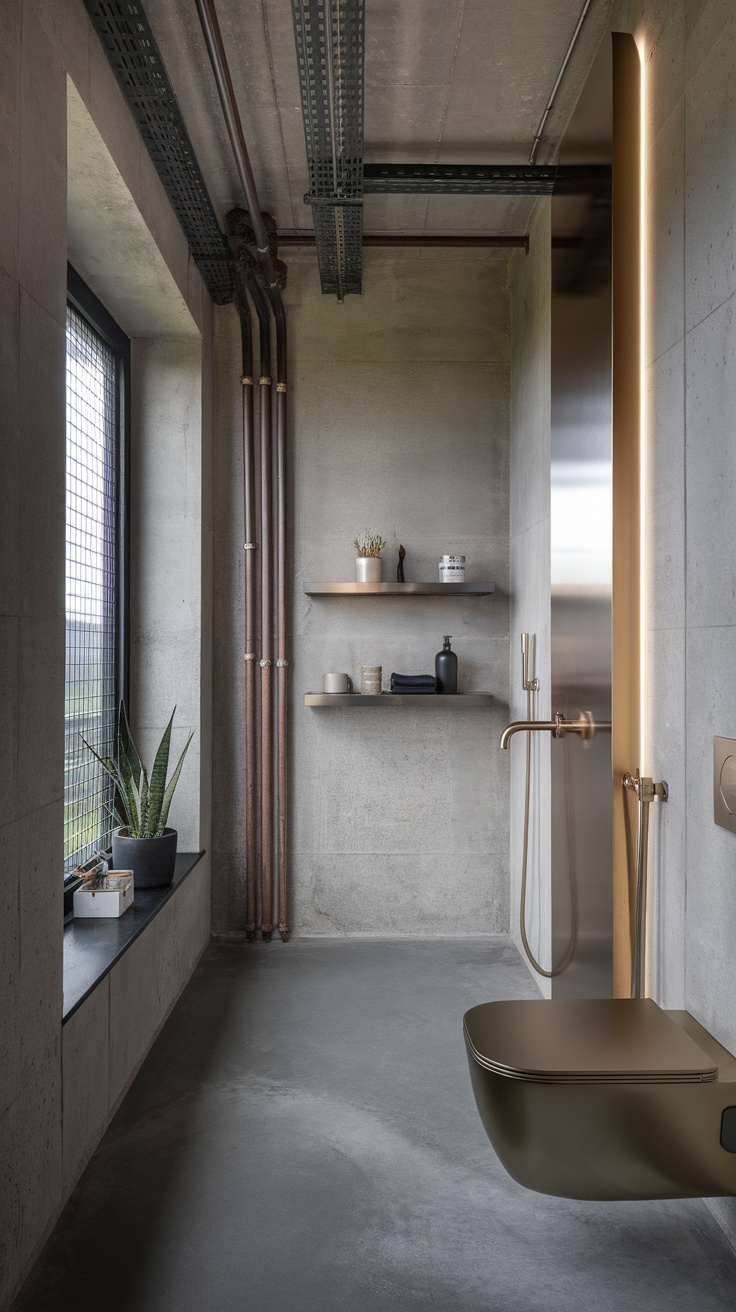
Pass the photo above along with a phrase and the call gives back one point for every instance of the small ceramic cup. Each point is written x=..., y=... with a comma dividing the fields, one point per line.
x=371, y=677
x=334, y=682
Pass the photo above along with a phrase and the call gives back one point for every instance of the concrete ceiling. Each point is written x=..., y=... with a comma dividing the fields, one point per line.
x=109, y=241
x=446, y=81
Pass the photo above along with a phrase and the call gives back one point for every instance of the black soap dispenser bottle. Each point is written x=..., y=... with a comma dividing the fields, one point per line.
x=445, y=668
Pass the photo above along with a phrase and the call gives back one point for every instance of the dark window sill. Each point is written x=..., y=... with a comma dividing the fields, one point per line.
x=91, y=947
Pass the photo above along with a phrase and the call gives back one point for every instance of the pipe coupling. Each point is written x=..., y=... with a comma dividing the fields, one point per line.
x=281, y=387
x=246, y=381
x=281, y=665
x=250, y=656
x=250, y=546
x=264, y=664
x=264, y=380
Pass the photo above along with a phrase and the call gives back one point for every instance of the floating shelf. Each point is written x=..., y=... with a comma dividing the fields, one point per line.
x=399, y=589
x=357, y=701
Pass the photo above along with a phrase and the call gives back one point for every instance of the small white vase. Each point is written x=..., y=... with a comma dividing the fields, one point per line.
x=367, y=569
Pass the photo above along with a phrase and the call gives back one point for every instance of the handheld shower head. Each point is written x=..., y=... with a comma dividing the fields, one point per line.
x=527, y=683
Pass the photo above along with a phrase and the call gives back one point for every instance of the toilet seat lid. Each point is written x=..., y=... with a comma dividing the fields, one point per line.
x=606, y=1040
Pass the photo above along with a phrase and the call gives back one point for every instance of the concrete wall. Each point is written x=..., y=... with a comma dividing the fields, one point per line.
x=166, y=564
x=57, y=1094
x=531, y=289
x=689, y=59
x=105, y=1041
x=399, y=407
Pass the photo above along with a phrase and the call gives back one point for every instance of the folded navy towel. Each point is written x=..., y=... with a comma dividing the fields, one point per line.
x=422, y=682
x=412, y=690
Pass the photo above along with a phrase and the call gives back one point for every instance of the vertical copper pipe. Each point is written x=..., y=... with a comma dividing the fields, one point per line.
x=266, y=662
x=249, y=544
x=272, y=279
x=282, y=663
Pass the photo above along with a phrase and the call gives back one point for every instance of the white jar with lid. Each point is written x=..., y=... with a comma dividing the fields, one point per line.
x=452, y=569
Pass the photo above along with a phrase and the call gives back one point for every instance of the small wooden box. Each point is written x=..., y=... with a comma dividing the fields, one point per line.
x=109, y=896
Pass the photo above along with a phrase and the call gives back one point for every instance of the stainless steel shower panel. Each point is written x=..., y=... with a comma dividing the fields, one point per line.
x=581, y=527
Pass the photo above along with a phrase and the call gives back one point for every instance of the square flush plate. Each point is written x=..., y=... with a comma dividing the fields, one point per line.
x=724, y=783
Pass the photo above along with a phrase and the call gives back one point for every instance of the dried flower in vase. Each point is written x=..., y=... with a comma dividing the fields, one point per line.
x=369, y=544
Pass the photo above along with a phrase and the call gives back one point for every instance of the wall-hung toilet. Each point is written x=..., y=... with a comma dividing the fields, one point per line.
x=604, y=1099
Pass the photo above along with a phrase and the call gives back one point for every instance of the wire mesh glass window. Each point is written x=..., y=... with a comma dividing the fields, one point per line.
x=92, y=686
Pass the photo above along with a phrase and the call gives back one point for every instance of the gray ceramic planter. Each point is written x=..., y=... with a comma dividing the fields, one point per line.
x=151, y=859
x=368, y=569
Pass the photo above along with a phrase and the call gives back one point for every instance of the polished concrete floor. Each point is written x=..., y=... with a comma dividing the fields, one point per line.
x=303, y=1138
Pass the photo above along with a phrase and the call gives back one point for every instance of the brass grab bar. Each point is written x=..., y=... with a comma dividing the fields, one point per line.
x=646, y=790
x=585, y=727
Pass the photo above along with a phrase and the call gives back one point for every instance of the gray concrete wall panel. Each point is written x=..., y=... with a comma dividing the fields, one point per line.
x=166, y=533
x=54, y=1103
x=398, y=420
x=689, y=57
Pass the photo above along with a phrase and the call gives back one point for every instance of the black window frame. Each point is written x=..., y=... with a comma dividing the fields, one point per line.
x=84, y=301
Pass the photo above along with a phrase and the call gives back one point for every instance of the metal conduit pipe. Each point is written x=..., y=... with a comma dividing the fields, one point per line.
x=556, y=87
x=400, y=240
x=250, y=547
x=220, y=68
x=266, y=661
x=282, y=663
x=270, y=278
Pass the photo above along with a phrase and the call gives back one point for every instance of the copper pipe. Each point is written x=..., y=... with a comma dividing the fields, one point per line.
x=282, y=663
x=223, y=80
x=250, y=546
x=271, y=280
x=266, y=662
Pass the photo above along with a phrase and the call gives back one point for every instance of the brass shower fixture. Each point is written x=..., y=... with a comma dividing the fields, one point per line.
x=585, y=727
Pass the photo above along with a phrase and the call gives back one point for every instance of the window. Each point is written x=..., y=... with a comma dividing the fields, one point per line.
x=97, y=357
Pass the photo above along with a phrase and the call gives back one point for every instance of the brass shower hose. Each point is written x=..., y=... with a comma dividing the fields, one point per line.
x=567, y=958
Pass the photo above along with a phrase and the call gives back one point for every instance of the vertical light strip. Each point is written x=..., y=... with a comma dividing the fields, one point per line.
x=628, y=414
x=644, y=765
x=643, y=425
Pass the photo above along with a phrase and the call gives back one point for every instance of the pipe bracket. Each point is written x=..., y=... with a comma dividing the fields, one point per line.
x=246, y=381
x=264, y=664
x=250, y=656
x=250, y=546
x=281, y=665
x=281, y=387
x=264, y=380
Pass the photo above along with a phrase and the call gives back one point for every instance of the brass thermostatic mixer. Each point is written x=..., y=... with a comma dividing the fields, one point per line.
x=585, y=726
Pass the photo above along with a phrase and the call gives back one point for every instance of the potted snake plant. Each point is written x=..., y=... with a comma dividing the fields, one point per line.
x=142, y=842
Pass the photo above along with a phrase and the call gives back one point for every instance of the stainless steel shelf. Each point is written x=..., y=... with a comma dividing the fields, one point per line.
x=346, y=701
x=399, y=589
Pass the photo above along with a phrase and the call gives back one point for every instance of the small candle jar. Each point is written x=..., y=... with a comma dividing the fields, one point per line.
x=371, y=678
x=452, y=569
